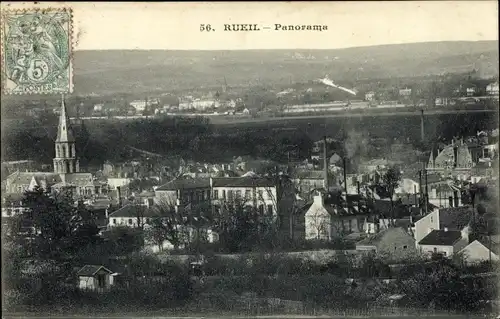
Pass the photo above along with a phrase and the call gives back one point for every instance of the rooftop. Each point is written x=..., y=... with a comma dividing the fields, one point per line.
x=185, y=183
x=441, y=238
x=377, y=238
x=91, y=270
x=25, y=177
x=242, y=182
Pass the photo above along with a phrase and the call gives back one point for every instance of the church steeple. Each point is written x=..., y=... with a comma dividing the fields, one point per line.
x=65, y=160
x=64, y=132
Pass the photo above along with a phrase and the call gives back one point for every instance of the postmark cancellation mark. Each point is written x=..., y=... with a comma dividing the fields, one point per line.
x=37, y=51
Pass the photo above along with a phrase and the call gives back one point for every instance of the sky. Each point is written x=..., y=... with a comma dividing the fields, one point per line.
x=176, y=26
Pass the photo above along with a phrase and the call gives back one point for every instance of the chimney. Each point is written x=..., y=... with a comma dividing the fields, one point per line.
x=325, y=164
x=148, y=202
x=119, y=192
x=455, y=197
x=420, y=183
x=345, y=173
x=415, y=195
x=455, y=156
x=422, y=132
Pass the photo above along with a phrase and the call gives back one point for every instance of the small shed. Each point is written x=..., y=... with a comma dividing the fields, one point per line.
x=95, y=277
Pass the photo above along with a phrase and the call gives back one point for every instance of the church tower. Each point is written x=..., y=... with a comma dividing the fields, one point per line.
x=65, y=161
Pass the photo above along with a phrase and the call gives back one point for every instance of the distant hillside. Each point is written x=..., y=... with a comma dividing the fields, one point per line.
x=115, y=71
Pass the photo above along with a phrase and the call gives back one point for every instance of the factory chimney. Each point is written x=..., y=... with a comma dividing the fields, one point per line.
x=422, y=132
x=325, y=164
x=119, y=193
x=455, y=156
x=345, y=174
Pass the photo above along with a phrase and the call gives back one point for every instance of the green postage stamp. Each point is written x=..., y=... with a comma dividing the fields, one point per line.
x=37, y=51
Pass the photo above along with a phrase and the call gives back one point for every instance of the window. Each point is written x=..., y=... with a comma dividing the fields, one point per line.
x=405, y=247
x=270, y=210
x=444, y=253
x=230, y=195
x=248, y=194
x=114, y=221
x=216, y=194
x=261, y=210
x=223, y=194
x=435, y=250
x=238, y=194
x=130, y=221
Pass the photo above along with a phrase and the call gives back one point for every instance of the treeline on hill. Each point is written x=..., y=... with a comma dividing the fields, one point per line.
x=196, y=138
x=189, y=138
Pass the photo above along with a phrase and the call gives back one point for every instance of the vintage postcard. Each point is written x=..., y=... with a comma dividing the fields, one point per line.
x=250, y=159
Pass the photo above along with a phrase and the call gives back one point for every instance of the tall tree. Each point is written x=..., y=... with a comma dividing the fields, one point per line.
x=390, y=181
x=169, y=223
x=51, y=224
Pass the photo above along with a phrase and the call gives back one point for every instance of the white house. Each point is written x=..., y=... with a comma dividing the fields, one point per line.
x=250, y=191
x=139, y=105
x=476, y=252
x=113, y=182
x=326, y=220
x=453, y=219
x=318, y=220
x=492, y=88
x=131, y=215
x=444, y=242
x=470, y=91
x=407, y=186
x=405, y=92
x=98, y=107
x=370, y=96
